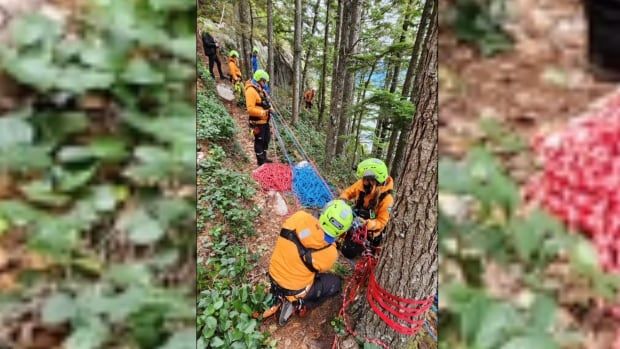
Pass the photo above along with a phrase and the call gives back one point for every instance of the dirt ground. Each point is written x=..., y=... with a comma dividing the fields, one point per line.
x=539, y=85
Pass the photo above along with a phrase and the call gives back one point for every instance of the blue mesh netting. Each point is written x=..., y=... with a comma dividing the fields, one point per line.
x=308, y=186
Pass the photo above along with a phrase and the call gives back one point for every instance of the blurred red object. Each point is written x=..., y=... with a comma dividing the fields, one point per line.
x=273, y=176
x=580, y=177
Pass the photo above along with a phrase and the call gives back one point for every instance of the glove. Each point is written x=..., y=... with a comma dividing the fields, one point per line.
x=265, y=104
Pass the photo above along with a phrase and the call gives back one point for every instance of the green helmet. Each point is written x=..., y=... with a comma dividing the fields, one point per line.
x=374, y=168
x=233, y=53
x=260, y=74
x=336, y=218
x=255, y=49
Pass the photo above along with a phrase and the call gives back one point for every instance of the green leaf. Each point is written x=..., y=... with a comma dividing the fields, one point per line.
x=14, y=131
x=19, y=213
x=25, y=158
x=55, y=236
x=78, y=80
x=495, y=324
x=129, y=274
x=543, y=313
x=534, y=342
x=103, y=148
x=183, y=339
x=37, y=71
x=43, y=193
x=125, y=304
x=90, y=335
x=584, y=257
x=70, y=181
x=32, y=28
x=4, y=225
x=58, y=309
x=141, y=72
x=217, y=342
x=141, y=228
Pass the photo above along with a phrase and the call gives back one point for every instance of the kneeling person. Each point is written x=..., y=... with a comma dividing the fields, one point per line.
x=303, y=254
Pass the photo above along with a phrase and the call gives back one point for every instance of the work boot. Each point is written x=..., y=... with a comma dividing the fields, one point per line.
x=285, y=312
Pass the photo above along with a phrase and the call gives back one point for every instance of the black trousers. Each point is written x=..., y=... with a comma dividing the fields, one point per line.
x=326, y=285
x=213, y=59
x=603, y=33
x=351, y=249
x=262, y=136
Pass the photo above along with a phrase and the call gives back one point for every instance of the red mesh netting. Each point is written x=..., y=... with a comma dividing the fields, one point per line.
x=580, y=178
x=273, y=176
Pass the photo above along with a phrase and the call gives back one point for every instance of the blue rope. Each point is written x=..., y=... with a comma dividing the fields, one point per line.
x=309, y=187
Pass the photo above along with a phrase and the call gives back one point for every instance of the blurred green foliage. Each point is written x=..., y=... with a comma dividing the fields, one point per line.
x=100, y=153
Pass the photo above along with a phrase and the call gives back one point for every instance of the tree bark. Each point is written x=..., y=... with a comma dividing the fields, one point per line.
x=355, y=11
x=324, y=68
x=297, y=63
x=337, y=80
x=390, y=152
x=376, y=148
x=422, y=29
x=245, y=44
x=408, y=265
x=270, y=43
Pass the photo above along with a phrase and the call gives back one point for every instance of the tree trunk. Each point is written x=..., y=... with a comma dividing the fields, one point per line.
x=270, y=43
x=337, y=80
x=390, y=152
x=361, y=113
x=245, y=44
x=307, y=48
x=422, y=29
x=324, y=68
x=423, y=35
x=408, y=265
x=355, y=14
x=297, y=63
x=376, y=148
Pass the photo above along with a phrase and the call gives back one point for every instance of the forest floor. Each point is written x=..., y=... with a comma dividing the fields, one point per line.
x=539, y=85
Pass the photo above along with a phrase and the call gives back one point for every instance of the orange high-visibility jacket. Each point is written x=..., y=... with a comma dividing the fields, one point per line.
x=286, y=267
x=309, y=95
x=381, y=210
x=233, y=66
x=258, y=115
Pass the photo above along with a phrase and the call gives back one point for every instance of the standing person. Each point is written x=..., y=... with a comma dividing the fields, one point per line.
x=373, y=198
x=255, y=62
x=210, y=47
x=309, y=97
x=303, y=254
x=259, y=112
x=233, y=66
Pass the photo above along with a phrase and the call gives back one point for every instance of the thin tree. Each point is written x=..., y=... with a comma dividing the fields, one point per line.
x=297, y=63
x=308, y=47
x=324, y=67
x=270, y=42
x=408, y=266
x=354, y=23
x=427, y=22
x=243, y=8
x=337, y=79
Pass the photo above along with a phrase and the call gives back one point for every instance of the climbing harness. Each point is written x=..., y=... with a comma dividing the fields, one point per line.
x=305, y=253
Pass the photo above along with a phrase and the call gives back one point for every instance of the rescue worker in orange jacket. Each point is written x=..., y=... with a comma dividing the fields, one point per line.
x=259, y=109
x=309, y=97
x=373, y=198
x=233, y=66
x=304, y=253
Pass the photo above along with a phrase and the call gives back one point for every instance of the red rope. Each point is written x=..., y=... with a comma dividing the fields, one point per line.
x=273, y=176
x=580, y=177
x=379, y=299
